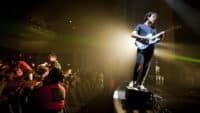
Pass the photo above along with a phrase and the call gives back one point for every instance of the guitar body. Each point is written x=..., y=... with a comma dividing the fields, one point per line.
x=151, y=41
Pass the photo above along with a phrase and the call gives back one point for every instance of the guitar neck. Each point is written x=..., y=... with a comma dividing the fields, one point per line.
x=173, y=28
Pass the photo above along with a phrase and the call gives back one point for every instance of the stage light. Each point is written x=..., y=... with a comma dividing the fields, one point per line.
x=124, y=43
x=70, y=21
x=116, y=39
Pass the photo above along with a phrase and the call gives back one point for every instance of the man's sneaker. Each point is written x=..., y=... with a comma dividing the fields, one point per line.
x=132, y=85
x=132, y=88
x=142, y=88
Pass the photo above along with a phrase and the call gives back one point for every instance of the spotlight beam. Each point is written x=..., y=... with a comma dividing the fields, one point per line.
x=185, y=58
x=183, y=10
x=166, y=54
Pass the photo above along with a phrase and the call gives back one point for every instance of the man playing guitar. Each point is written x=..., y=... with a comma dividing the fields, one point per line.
x=146, y=36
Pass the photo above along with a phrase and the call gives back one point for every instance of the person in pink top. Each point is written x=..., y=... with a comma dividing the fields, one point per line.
x=50, y=98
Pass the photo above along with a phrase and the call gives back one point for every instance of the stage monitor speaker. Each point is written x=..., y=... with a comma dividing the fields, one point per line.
x=138, y=98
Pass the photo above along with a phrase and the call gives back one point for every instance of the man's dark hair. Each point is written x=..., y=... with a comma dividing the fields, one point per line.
x=55, y=75
x=148, y=14
x=52, y=54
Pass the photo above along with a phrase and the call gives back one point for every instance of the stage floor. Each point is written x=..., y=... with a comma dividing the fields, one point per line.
x=164, y=100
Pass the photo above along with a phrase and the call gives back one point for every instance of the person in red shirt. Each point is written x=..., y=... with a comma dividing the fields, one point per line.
x=50, y=98
x=23, y=70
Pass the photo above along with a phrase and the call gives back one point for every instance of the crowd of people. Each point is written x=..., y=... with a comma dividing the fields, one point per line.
x=47, y=87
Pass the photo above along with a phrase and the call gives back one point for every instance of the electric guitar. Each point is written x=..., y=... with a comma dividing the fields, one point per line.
x=151, y=39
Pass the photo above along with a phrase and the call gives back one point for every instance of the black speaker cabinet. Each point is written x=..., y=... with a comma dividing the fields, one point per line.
x=138, y=98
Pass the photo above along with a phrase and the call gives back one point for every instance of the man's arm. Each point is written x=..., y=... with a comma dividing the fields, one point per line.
x=135, y=35
x=141, y=38
x=30, y=76
x=161, y=35
x=45, y=74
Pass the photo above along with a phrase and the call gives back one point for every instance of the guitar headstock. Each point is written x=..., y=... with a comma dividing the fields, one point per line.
x=177, y=26
x=174, y=28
